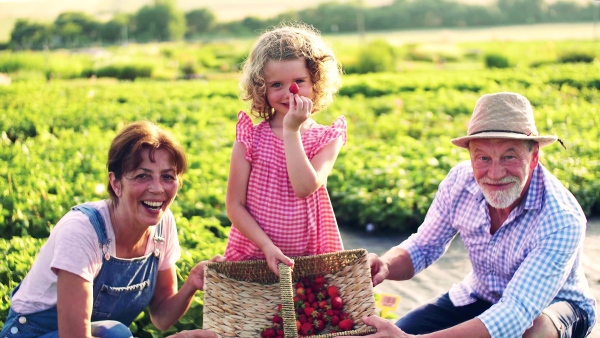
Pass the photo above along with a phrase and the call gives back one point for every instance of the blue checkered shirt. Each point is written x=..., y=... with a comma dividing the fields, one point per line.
x=532, y=261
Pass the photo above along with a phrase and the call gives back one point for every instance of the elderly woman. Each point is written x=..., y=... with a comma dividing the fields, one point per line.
x=106, y=261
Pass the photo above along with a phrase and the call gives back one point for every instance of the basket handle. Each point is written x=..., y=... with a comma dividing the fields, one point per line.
x=287, y=301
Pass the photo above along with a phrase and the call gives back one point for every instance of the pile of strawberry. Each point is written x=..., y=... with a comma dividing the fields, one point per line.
x=318, y=307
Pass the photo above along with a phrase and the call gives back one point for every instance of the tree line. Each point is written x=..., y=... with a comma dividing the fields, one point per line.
x=163, y=21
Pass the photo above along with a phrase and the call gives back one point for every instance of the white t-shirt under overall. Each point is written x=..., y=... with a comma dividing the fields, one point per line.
x=73, y=247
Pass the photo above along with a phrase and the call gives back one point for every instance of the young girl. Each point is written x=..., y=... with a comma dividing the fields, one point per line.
x=276, y=194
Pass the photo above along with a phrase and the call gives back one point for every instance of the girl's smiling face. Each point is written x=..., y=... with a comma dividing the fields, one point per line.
x=280, y=75
x=147, y=192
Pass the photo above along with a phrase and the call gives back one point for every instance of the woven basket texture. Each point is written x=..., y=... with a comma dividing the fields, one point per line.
x=241, y=298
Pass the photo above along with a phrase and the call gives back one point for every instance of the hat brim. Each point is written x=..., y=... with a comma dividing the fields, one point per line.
x=542, y=140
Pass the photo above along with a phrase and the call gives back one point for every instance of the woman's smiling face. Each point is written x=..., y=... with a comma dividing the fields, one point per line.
x=146, y=192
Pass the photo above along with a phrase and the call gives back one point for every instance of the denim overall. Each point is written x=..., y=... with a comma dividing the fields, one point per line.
x=122, y=289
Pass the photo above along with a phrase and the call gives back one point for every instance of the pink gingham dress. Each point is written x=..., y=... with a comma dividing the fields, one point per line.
x=298, y=226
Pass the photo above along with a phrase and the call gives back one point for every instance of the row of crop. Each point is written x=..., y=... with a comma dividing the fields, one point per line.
x=55, y=137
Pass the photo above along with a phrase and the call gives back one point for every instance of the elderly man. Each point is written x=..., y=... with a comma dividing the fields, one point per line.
x=523, y=231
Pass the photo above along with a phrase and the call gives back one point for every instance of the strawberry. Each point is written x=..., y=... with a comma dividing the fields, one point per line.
x=335, y=320
x=300, y=291
x=311, y=297
x=302, y=318
x=280, y=333
x=277, y=319
x=298, y=325
x=346, y=324
x=332, y=291
x=344, y=315
x=336, y=303
x=319, y=325
x=323, y=304
x=306, y=329
x=320, y=280
x=268, y=333
x=294, y=89
x=308, y=311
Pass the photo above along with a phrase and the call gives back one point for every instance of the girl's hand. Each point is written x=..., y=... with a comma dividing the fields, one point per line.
x=300, y=110
x=273, y=256
x=196, y=276
x=384, y=328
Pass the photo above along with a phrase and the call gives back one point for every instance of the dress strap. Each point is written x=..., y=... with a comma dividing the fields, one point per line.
x=98, y=223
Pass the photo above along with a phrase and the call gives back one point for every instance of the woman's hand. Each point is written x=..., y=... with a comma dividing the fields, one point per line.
x=196, y=276
x=273, y=255
x=384, y=328
x=194, y=334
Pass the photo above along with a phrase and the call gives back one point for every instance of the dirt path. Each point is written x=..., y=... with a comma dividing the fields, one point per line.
x=454, y=265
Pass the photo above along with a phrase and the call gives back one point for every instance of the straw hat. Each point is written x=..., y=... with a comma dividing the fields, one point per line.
x=503, y=115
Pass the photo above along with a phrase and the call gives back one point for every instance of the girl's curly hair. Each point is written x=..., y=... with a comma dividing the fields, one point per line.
x=290, y=42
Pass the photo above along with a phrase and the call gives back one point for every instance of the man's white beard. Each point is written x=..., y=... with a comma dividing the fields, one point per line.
x=501, y=199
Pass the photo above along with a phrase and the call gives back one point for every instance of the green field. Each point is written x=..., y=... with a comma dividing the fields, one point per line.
x=62, y=108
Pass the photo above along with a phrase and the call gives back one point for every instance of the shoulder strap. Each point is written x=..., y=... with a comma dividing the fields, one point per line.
x=97, y=221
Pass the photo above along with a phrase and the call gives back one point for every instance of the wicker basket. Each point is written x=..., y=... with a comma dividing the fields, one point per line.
x=241, y=298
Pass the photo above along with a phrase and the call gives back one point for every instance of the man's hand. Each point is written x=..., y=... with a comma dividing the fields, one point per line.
x=379, y=270
x=194, y=334
x=384, y=328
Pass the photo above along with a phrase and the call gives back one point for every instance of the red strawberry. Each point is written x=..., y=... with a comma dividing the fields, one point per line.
x=268, y=333
x=332, y=291
x=319, y=325
x=298, y=325
x=277, y=319
x=311, y=297
x=306, y=329
x=302, y=318
x=294, y=89
x=335, y=320
x=344, y=315
x=320, y=280
x=336, y=303
x=300, y=291
x=280, y=333
x=346, y=324
x=323, y=304
x=308, y=311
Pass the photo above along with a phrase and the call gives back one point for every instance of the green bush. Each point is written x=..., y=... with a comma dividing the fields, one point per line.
x=377, y=56
x=576, y=56
x=496, y=61
x=124, y=71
